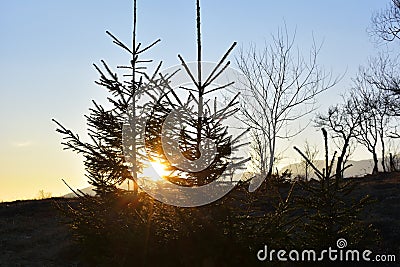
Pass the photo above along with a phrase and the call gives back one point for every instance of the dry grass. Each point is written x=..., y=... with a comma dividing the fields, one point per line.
x=34, y=232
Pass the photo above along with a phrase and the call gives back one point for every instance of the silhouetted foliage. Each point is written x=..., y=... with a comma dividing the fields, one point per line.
x=327, y=212
x=105, y=161
x=197, y=130
x=189, y=147
x=128, y=228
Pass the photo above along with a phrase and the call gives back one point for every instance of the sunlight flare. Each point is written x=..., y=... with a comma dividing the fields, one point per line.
x=160, y=171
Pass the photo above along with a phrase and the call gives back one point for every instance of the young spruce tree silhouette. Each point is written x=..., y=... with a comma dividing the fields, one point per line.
x=330, y=213
x=118, y=232
x=199, y=119
x=104, y=159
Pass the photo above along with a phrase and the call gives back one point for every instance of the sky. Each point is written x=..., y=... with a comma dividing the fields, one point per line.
x=47, y=49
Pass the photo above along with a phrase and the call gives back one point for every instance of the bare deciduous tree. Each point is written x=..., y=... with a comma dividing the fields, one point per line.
x=341, y=120
x=383, y=73
x=278, y=87
x=374, y=107
x=386, y=23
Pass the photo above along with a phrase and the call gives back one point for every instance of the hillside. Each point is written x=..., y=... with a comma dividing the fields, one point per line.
x=358, y=168
x=34, y=233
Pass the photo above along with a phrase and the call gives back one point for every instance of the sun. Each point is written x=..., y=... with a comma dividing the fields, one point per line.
x=160, y=171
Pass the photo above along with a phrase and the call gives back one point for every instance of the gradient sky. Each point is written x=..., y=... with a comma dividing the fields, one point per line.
x=47, y=49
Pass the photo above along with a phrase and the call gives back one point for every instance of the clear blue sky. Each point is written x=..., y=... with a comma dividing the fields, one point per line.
x=47, y=48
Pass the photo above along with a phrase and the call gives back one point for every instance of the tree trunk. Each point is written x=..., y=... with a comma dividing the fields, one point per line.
x=375, y=158
x=339, y=165
x=338, y=174
x=272, y=143
x=383, y=155
x=271, y=159
x=306, y=174
x=391, y=163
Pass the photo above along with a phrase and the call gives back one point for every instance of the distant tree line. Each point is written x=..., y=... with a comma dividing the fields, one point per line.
x=369, y=112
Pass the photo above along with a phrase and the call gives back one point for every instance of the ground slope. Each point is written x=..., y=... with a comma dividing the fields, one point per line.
x=34, y=232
